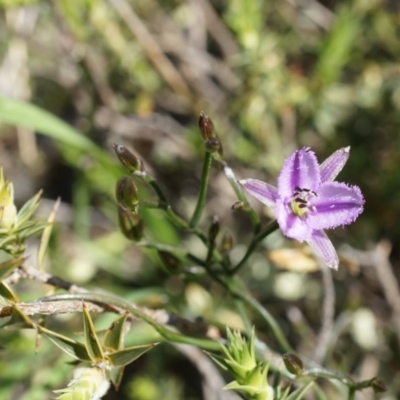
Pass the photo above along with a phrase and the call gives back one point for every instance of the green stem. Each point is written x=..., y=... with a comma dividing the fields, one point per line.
x=108, y=300
x=276, y=330
x=172, y=249
x=203, y=190
x=230, y=175
x=320, y=372
x=163, y=204
x=175, y=218
x=210, y=252
x=254, y=243
x=242, y=312
x=352, y=394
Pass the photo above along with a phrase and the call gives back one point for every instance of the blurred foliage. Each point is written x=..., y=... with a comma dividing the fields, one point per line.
x=274, y=76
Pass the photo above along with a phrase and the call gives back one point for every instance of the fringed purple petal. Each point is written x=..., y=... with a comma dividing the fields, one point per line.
x=290, y=224
x=331, y=167
x=301, y=170
x=337, y=204
x=262, y=191
x=323, y=248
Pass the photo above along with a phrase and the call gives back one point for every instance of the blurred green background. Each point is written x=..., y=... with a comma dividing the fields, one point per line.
x=273, y=76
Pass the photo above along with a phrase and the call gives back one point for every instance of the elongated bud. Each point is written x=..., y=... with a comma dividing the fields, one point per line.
x=130, y=223
x=8, y=211
x=226, y=242
x=239, y=205
x=126, y=193
x=210, y=137
x=172, y=263
x=293, y=363
x=214, y=229
x=378, y=386
x=128, y=159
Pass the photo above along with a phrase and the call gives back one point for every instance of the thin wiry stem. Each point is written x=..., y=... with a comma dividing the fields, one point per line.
x=203, y=190
x=276, y=329
x=328, y=312
x=164, y=205
x=230, y=176
x=254, y=243
x=171, y=249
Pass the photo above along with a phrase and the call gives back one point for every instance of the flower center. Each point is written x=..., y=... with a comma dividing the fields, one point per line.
x=300, y=203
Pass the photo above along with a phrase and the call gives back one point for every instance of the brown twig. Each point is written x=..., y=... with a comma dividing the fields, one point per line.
x=196, y=328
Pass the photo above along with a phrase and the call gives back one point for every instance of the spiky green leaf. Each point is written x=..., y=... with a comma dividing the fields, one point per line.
x=7, y=293
x=9, y=266
x=116, y=374
x=126, y=356
x=69, y=346
x=114, y=336
x=44, y=241
x=28, y=209
x=19, y=319
x=91, y=339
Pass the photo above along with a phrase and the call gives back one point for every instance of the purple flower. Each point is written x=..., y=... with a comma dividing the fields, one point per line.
x=307, y=201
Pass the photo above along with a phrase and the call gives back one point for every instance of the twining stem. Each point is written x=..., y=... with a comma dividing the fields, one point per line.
x=113, y=301
x=254, y=243
x=203, y=190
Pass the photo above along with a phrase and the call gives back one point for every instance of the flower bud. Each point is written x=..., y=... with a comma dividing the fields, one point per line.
x=172, y=263
x=128, y=159
x=378, y=386
x=8, y=210
x=210, y=137
x=130, y=223
x=226, y=242
x=214, y=229
x=206, y=127
x=126, y=193
x=293, y=363
x=239, y=205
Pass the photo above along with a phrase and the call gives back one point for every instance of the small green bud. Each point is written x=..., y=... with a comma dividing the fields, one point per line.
x=172, y=263
x=210, y=137
x=293, y=363
x=239, y=205
x=226, y=242
x=378, y=386
x=213, y=229
x=130, y=223
x=126, y=193
x=8, y=210
x=128, y=159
